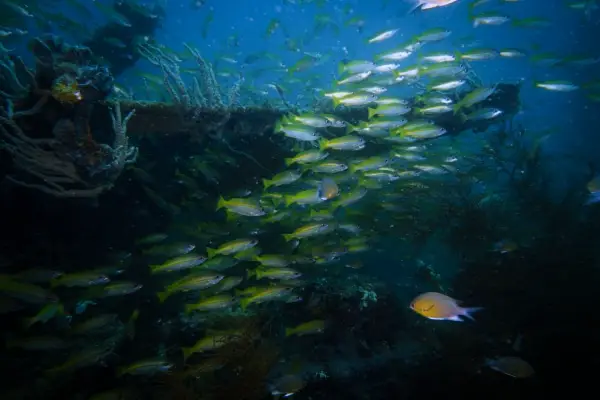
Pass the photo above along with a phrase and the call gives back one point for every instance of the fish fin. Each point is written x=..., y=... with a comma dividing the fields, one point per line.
x=417, y=6
x=278, y=127
x=469, y=310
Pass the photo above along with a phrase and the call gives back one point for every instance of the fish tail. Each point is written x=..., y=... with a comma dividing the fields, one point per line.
x=288, y=161
x=231, y=217
x=336, y=102
x=187, y=352
x=469, y=310
x=267, y=182
x=27, y=322
x=220, y=203
x=288, y=236
x=288, y=200
x=350, y=128
x=372, y=112
x=278, y=126
x=244, y=303
x=456, y=108
x=289, y=332
x=162, y=296
x=189, y=308
x=322, y=144
x=250, y=273
x=276, y=202
x=211, y=252
x=120, y=371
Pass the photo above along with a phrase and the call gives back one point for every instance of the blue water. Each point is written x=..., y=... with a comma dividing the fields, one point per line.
x=226, y=33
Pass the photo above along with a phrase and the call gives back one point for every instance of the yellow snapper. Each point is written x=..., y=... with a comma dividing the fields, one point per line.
x=307, y=157
x=190, y=282
x=82, y=279
x=262, y=295
x=207, y=343
x=211, y=303
x=352, y=143
x=178, y=263
x=145, y=367
x=308, y=231
x=245, y=207
x=304, y=197
x=235, y=246
x=25, y=291
x=283, y=178
x=307, y=328
x=274, y=273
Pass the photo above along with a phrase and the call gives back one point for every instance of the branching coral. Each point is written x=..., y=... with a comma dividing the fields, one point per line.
x=56, y=166
x=204, y=90
x=13, y=86
x=65, y=160
x=42, y=160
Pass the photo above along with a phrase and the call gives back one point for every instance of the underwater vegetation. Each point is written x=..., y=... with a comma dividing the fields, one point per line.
x=345, y=206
